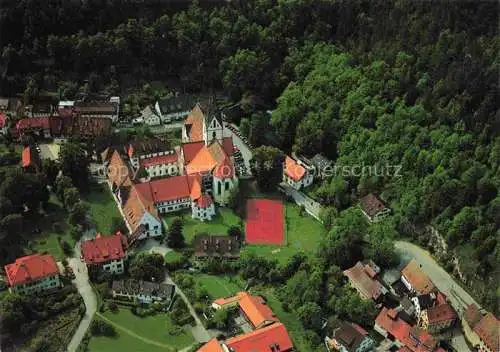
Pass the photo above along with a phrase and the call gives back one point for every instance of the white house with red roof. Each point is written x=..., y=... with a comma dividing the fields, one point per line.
x=296, y=173
x=33, y=274
x=105, y=253
x=161, y=165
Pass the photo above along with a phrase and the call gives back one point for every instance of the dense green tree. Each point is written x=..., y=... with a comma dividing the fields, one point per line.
x=175, y=237
x=74, y=164
x=148, y=267
x=267, y=167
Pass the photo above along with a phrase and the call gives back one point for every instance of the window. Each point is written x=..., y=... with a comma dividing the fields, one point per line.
x=213, y=135
x=227, y=185
x=219, y=188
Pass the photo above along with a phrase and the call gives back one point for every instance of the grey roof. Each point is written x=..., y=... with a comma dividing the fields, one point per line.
x=426, y=301
x=211, y=111
x=135, y=287
x=320, y=161
x=177, y=103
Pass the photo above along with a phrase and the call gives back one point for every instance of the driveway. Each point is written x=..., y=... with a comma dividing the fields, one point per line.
x=199, y=332
x=312, y=207
x=153, y=246
x=89, y=298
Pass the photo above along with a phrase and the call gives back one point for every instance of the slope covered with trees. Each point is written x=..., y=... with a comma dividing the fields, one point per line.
x=378, y=83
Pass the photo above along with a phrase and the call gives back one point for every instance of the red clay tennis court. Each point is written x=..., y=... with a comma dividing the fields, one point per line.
x=264, y=222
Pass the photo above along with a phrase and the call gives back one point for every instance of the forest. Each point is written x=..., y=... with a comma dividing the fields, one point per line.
x=399, y=82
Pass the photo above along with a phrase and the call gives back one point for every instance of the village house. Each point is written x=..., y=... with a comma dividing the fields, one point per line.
x=390, y=325
x=144, y=291
x=374, y=208
x=297, y=173
x=141, y=217
x=108, y=110
x=422, y=302
x=363, y=278
x=141, y=150
x=4, y=103
x=3, y=124
x=482, y=331
x=33, y=274
x=105, y=254
x=322, y=166
x=148, y=116
x=349, y=337
x=438, y=318
x=416, y=280
x=272, y=338
x=221, y=247
x=39, y=110
x=174, y=108
x=36, y=126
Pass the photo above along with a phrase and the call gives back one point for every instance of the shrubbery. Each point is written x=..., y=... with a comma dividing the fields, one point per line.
x=102, y=328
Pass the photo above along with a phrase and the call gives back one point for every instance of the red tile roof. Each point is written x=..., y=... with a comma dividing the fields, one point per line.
x=211, y=346
x=372, y=204
x=166, y=189
x=202, y=163
x=137, y=205
x=42, y=122
x=194, y=124
x=227, y=144
x=257, y=311
x=441, y=313
x=31, y=268
x=26, y=157
x=488, y=330
x=416, y=339
x=204, y=201
x=363, y=280
x=260, y=340
x=160, y=160
x=3, y=120
x=228, y=300
x=224, y=170
x=104, y=248
x=418, y=278
x=295, y=171
x=189, y=150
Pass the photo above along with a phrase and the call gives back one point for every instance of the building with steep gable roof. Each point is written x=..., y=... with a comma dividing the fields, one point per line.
x=481, y=330
x=33, y=274
x=105, y=253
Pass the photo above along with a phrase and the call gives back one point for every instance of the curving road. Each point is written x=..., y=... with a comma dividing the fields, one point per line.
x=82, y=283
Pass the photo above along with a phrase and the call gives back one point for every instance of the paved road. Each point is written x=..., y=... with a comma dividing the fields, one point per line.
x=199, y=332
x=89, y=298
x=312, y=207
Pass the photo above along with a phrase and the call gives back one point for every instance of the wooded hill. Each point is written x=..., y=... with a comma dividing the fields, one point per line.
x=410, y=83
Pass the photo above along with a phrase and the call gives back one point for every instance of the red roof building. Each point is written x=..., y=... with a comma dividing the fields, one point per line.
x=415, y=279
x=3, y=120
x=160, y=160
x=362, y=278
x=271, y=338
x=189, y=150
x=257, y=312
x=105, y=251
x=35, y=272
x=293, y=170
x=388, y=323
x=204, y=201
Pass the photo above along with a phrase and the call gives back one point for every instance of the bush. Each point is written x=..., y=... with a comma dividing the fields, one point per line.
x=65, y=246
x=113, y=307
x=102, y=328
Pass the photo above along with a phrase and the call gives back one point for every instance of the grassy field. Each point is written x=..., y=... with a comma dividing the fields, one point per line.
x=303, y=233
x=220, y=286
x=104, y=209
x=219, y=225
x=48, y=239
x=172, y=256
x=153, y=333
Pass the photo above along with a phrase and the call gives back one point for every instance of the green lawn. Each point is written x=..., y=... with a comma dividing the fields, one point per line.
x=219, y=286
x=104, y=209
x=172, y=256
x=141, y=334
x=219, y=225
x=48, y=239
x=303, y=233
